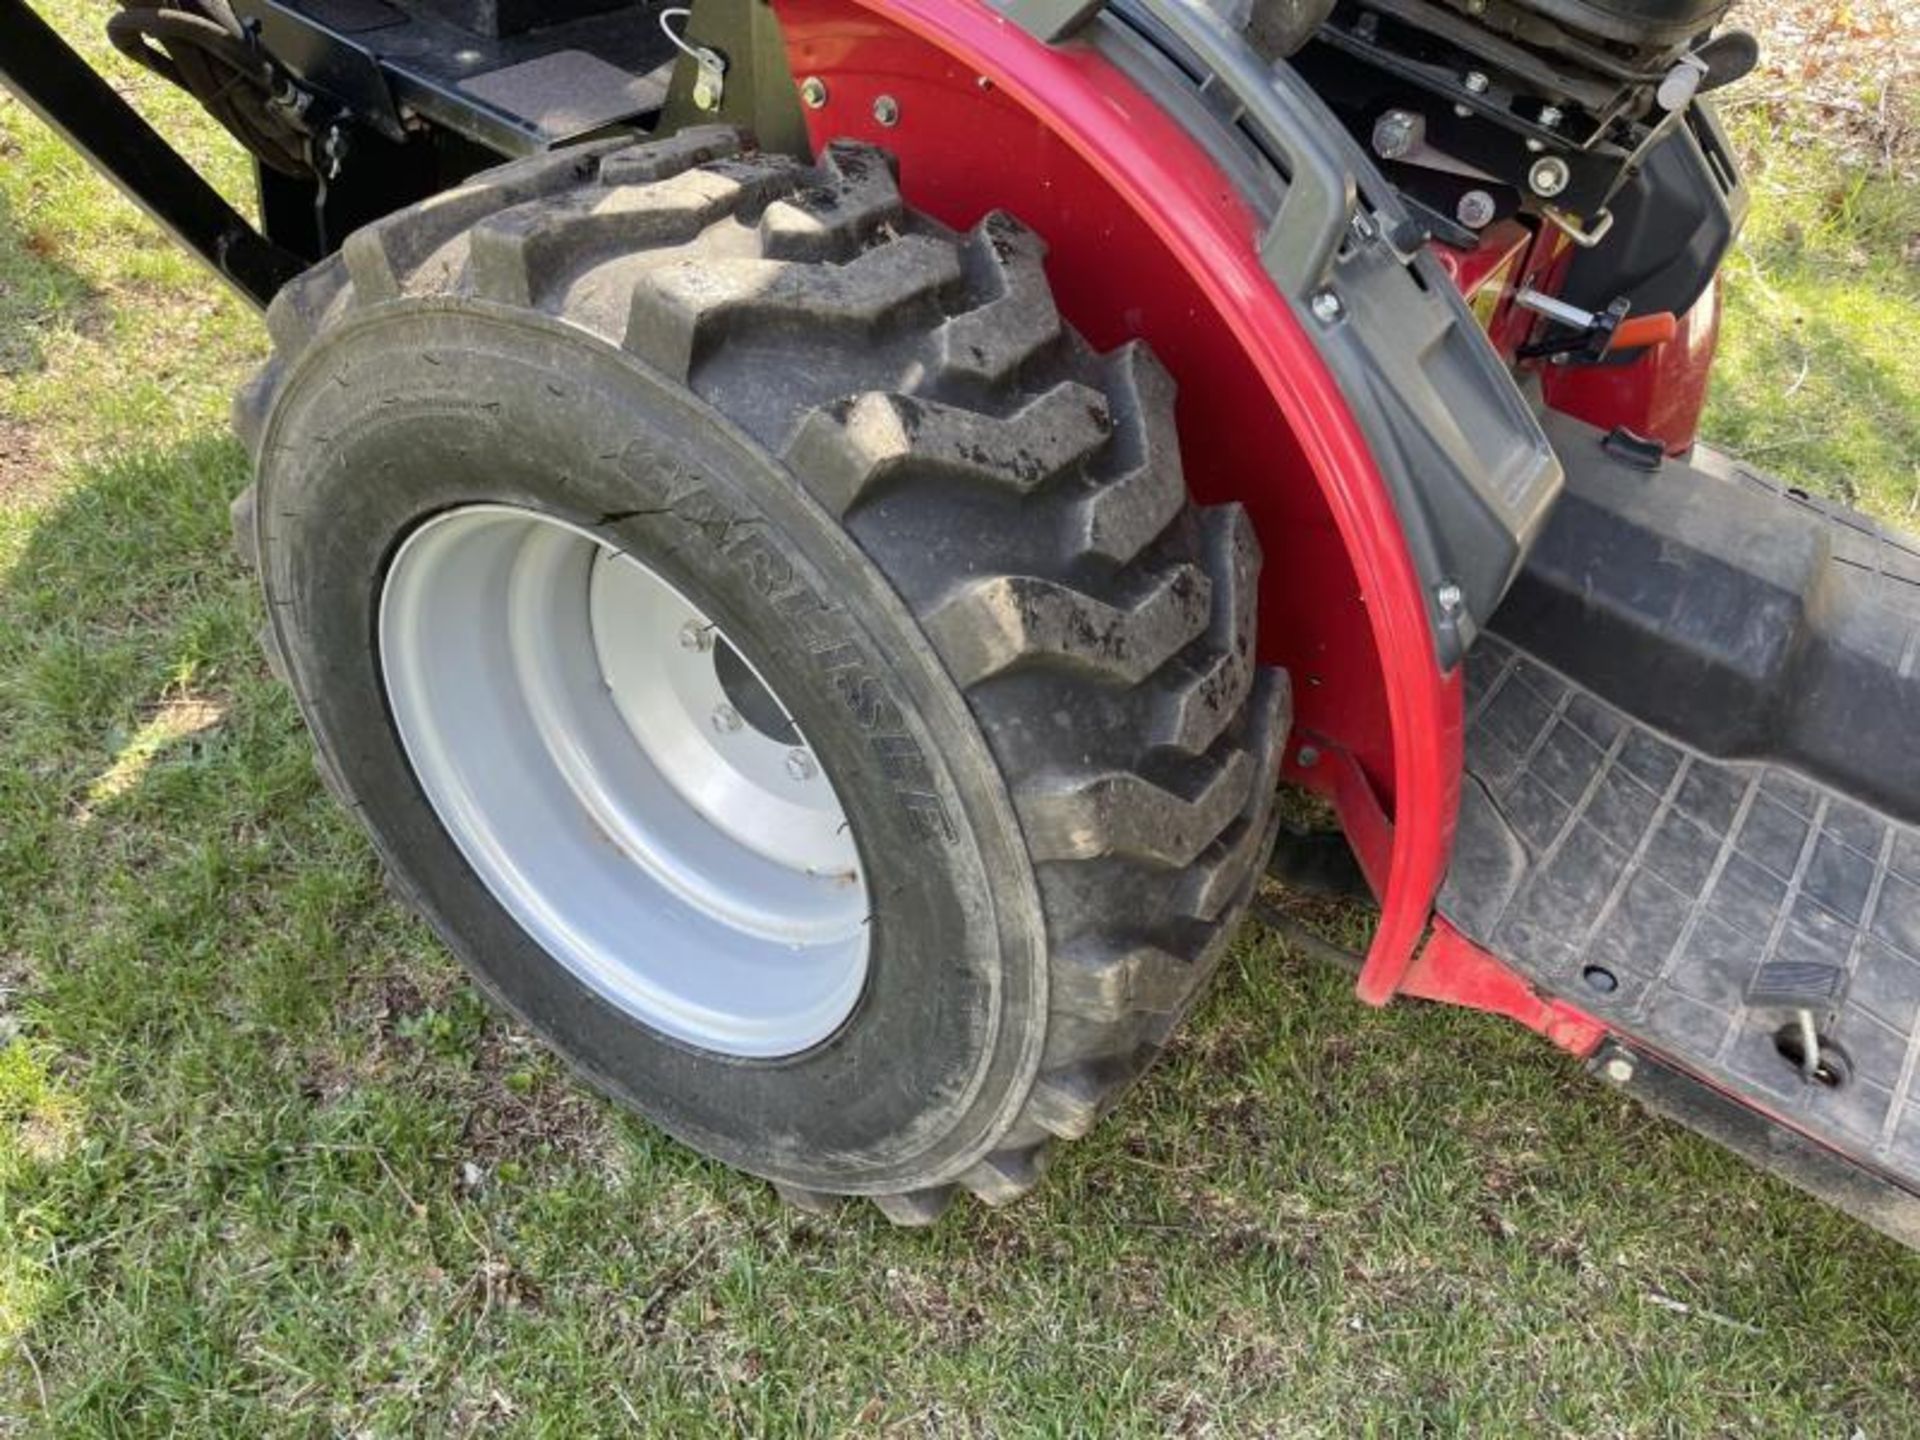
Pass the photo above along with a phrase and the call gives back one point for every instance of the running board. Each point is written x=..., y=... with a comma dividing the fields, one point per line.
x=1691, y=794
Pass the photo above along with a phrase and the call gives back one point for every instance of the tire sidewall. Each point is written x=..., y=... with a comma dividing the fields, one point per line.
x=410, y=410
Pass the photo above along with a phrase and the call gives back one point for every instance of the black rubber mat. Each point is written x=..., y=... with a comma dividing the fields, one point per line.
x=1694, y=904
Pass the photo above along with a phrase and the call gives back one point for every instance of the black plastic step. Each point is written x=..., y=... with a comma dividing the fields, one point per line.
x=1693, y=786
x=1695, y=904
x=1741, y=616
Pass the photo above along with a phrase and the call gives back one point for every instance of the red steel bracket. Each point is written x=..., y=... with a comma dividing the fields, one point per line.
x=1452, y=969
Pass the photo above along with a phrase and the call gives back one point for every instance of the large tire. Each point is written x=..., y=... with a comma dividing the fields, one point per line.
x=954, y=539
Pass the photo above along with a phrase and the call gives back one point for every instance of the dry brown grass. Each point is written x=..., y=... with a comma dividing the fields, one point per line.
x=1848, y=72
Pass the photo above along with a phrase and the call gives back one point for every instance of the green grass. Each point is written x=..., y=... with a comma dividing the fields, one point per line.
x=267, y=1167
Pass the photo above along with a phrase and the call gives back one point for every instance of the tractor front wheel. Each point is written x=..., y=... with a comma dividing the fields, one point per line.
x=774, y=652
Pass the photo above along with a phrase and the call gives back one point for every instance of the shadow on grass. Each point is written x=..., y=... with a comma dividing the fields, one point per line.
x=37, y=292
x=267, y=1167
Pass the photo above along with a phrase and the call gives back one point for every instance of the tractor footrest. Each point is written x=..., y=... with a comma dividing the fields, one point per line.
x=1695, y=905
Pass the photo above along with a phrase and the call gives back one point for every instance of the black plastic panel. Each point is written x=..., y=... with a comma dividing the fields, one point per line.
x=1471, y=474
x=1744, y=619
x=1674, y=220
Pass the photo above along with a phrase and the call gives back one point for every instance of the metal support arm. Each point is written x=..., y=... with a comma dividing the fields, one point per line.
x=67, y=93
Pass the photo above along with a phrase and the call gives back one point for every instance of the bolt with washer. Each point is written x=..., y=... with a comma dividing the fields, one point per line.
x=801, y=766
x=886, y=110
x=725, y=719
x=1549, y=176
x=1326, y=307
x=1620, y=1069
x=813, y=92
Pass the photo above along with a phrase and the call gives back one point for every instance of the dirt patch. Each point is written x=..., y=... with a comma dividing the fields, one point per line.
x=22, y=466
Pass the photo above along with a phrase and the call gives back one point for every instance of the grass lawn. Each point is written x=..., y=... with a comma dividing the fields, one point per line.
x=268, y=1167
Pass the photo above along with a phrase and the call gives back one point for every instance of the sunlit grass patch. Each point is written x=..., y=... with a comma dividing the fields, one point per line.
x=174, y=721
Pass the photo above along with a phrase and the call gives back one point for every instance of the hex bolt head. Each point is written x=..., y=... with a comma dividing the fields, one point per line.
x=725, y=719
x=1475, y=82
x=1326, y=307
x=1475, y=210
x=1550, y=116
x=1395, y=134
x=1549, y=176
x=801, y=765
x=1450, y=596
x=1619, y=1069
x=696, y=637
x=704, y=97
x=886, y=110
x=813, y=92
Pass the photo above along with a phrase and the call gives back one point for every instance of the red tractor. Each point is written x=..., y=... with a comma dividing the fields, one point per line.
x=810, y=534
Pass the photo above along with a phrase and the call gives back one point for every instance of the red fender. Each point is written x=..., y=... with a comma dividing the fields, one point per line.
x=1149, y=239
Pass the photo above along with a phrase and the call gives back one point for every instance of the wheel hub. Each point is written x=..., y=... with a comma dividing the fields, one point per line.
x=624, y=781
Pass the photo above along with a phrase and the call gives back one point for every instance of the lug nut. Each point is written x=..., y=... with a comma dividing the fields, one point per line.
x=801, y=766
x=813, y=92
x=696, y=637
x=725, y=719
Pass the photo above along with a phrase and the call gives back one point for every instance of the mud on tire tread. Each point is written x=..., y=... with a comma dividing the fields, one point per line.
x=1099, y=625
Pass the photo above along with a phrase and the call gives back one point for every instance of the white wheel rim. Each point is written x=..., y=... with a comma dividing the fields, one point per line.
x=623, y=782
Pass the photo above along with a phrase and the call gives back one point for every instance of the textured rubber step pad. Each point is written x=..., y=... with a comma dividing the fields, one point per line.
x=1690, y=902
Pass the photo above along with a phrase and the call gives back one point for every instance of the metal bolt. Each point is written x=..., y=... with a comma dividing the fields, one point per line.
x=1549, y=176
x=1307, y=757
x=813, y=92
x=886, y=110
x=1550, y=116
x=725, y=719
x=705, y=96
x=1475, y=210
x=1620, y=1069
x=696, y=636
x=1396, y=133
x=1536, y=146
x=801, y=766
x=1326, y=307
x=1463, y=111
x=1475, y=82
x=1450, y=596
